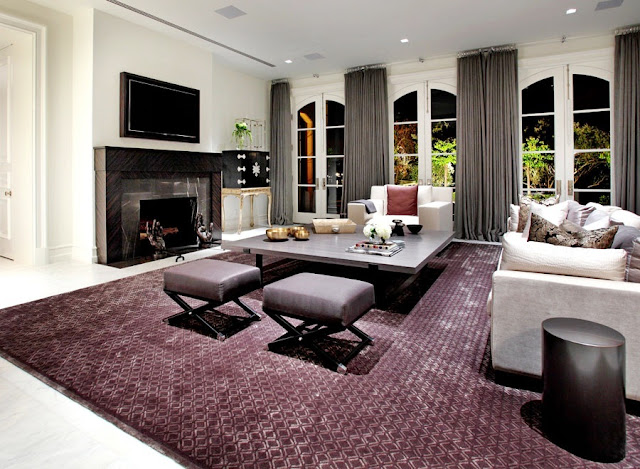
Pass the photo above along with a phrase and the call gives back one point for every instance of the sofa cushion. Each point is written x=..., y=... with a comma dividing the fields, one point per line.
x=625, y=237
x=514, y=215
x=425, y=194
x=578, y=213
x=633, y=272
x=402, y=200
x=597, y=218
x=544, y=231
x=624, y=217
x=525, y=209
x=608, y=264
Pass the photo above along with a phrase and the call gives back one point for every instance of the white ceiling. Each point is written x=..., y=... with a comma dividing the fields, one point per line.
x=350, y=33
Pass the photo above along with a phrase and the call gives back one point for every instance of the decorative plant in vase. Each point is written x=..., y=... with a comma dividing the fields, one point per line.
x=377, y=232
x=241, y=133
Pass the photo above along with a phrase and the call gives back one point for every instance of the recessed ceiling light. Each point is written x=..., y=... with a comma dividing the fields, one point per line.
x=404, y=41
x=571, y=11
x=288, y=61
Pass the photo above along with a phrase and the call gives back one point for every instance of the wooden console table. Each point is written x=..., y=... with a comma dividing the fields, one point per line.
x=241, y=194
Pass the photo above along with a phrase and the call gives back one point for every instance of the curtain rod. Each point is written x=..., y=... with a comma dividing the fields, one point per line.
x=628, y=30
x=506, y=47
x=279, y=80
x=362, y=68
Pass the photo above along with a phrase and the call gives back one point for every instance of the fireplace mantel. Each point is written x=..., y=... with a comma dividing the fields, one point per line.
x=114, y=165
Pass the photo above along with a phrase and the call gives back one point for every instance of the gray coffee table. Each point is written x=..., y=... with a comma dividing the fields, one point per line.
x=330, y=249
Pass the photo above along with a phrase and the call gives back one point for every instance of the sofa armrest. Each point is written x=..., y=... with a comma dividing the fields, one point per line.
x=522, y=300
x=357, y=212
x=436, y=216
x=442, y=194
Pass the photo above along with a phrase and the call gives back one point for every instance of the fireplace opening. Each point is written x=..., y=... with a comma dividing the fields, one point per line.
x=167, y=224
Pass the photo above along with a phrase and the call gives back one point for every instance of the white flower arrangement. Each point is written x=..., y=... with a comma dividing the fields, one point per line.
x=380, y=229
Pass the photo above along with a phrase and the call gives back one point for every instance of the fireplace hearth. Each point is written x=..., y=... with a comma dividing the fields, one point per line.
x=135, y=186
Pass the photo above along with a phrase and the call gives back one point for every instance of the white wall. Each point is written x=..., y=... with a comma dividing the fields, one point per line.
x=238, y=95
x=120, y=46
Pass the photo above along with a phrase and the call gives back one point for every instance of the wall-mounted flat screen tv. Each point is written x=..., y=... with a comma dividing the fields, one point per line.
x=158, y=110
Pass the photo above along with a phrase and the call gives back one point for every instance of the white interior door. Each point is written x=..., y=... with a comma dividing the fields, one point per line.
x=6, y=245
x=318, y=157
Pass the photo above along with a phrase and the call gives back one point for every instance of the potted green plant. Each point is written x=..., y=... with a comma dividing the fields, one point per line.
x=241, y=133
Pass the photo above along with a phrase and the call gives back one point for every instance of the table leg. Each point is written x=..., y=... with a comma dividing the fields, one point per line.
x=251, y=210
x=259, y=264
x=240, y=215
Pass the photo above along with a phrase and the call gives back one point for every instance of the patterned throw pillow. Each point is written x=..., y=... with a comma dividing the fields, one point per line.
x=525, y=209
x=544, y=231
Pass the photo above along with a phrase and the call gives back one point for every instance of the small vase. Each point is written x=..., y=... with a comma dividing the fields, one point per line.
x=375, y=239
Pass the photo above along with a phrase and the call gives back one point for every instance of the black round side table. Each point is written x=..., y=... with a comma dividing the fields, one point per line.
x=583, y=408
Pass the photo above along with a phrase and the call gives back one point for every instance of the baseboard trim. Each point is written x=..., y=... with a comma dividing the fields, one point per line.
x=59, y=254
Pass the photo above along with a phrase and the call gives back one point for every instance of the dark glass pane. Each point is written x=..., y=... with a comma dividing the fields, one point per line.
x=590, y=93
x=306, y=199
x=405, y=109
x=537, y=133
x=538, y=171
x=584, y=198
x=443, y=105
x=538, y=97
x=306, y=170
x=334, y=170
x=405, y=169
x=592, y=130
x=405, y=138
x=443, y=137
x=443, y=170
x=334, y=199
x=335, y=114
x=306, y=142
x=335, y=141
x=592, y=170
x=307, y=116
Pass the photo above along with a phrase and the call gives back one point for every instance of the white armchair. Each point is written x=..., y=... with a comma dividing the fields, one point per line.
x=435, y=208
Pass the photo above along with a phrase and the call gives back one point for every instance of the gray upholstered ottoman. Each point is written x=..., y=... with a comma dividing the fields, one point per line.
x=213, y=281
x=325, y=304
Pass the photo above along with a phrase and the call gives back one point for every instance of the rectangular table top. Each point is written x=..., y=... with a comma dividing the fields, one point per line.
x=330, y=249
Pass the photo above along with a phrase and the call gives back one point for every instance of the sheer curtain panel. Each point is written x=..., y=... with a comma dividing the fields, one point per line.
x=366, y=154
x=280, y=171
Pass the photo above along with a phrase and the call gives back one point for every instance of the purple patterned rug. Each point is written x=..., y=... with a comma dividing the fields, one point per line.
x=423, y=396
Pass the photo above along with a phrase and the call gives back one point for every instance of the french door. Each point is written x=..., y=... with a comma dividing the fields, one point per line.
x=566, y=134
x=318, y=157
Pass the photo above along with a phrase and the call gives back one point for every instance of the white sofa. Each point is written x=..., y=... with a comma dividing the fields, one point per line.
x=435, y=209
x=536, y=281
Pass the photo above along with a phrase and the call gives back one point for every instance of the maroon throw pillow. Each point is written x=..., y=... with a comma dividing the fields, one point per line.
x=402, y=200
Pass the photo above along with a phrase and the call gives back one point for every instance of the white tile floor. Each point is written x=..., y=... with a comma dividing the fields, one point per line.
x=41, y=428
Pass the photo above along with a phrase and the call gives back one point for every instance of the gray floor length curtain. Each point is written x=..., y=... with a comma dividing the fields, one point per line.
x=487, y=143
x=626, y=91
x=366, y=146
x=280, y=172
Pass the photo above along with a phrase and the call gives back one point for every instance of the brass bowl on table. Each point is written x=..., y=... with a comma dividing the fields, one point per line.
x=302, y=234
x=277, y=234
x=294, y=229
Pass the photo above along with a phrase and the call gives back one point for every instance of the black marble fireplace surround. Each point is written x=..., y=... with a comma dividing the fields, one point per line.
x=124, y=176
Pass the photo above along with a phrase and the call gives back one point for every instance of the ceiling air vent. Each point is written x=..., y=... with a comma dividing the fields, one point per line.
x=314, y=56
x=606, y=4
x=230, y=12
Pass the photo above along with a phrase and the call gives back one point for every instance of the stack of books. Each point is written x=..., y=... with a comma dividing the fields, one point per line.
x=388, y=248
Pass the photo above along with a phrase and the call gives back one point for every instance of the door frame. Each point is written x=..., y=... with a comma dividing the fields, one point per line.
x=31, y=248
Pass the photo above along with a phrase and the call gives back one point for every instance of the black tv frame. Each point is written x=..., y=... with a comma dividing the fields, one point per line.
x=125, y=103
